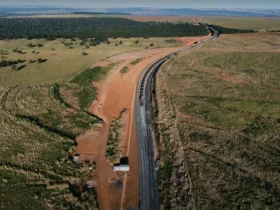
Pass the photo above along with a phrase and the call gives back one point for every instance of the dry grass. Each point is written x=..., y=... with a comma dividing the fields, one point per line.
x=230, y=126
x=37, y=141
x=253, y=42
x=63, y=63
x=255, y=23
x=114, y=147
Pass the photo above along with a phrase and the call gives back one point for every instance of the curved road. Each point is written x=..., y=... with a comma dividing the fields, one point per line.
x=148, y=189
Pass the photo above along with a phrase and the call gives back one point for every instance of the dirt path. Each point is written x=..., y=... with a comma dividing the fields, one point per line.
x=115, y=93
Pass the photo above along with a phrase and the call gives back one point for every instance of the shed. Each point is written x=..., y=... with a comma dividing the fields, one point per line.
x=123, y=165
x=76, y=157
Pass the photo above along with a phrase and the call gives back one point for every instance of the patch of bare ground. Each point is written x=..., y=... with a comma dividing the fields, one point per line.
x=115, y=94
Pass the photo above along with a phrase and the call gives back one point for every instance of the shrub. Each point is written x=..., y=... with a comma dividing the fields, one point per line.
x=40, y=60
x=31, y=45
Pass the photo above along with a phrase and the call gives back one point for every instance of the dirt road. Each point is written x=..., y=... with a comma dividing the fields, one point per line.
x=115, y=94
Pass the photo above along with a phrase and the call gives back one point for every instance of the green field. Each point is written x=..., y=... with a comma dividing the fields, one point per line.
x=226, y=98
x=62, y=63
x=255, y=23
x=39, y=125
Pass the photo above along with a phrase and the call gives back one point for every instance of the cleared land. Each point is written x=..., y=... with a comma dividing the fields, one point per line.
x=43, y=123
x=225, y=97
x=255, y=23
x=64, y=58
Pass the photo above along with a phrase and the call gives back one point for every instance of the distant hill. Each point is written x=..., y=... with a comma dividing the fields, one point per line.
x=143, y=11
x=100, y=13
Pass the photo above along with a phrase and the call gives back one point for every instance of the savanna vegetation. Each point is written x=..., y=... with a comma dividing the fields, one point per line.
x=113, y=149
x=60, y=60
x=224, y=140
x=39, y=125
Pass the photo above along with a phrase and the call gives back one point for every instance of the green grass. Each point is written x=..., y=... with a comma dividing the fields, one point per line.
x=136, y=61
x=63, y=64
x=231, y=137
x=113, y=151
x=88, y=93
x=24, y=186
x=124, y=70
x=92, y=74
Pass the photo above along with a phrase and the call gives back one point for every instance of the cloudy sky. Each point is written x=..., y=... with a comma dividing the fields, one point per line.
x=260, y=4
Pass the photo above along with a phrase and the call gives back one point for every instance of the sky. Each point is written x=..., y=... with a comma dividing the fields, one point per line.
x=248, y=4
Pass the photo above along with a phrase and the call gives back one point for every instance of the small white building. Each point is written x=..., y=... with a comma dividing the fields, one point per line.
x=76, y=157
x=122, y=166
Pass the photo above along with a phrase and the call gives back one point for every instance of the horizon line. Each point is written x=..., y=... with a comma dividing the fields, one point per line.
x=128, y=7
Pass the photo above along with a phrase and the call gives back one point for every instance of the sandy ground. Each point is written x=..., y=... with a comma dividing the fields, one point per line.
x=116, y=93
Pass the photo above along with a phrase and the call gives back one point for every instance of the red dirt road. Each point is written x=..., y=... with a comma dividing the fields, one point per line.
x=116, y=93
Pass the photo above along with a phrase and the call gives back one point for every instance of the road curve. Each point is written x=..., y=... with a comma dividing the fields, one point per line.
x=148, y=189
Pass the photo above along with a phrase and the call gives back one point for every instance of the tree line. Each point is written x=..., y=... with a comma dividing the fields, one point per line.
x=101, y=28
x=223, y=30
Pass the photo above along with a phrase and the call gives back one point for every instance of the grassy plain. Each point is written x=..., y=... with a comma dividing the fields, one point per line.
x=63, y=63
x=226, y=99
x=38, y=129
x=255, y=23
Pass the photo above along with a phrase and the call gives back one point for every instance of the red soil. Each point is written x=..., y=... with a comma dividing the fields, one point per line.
x=116, y=93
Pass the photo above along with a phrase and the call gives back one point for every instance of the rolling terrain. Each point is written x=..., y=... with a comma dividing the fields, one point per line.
x=217, y=118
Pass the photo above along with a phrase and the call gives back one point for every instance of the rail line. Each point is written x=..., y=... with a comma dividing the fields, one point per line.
x=148, y=189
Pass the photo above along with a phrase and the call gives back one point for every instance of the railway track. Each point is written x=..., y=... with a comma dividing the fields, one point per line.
x=148, y=189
